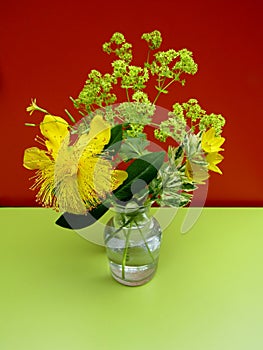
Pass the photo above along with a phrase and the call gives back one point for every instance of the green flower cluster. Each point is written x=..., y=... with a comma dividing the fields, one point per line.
x=154, y=39
x=164, y=67
x=122, y=49
x=96, y=92
x=188, y=113
x=135, y=78
x=171, y=64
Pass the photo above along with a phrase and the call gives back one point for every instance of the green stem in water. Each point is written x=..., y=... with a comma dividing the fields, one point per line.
x=144, y=240
x=124, y=258
x=119, y=229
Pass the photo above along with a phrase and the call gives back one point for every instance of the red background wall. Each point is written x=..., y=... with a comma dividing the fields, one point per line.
x=47, y=48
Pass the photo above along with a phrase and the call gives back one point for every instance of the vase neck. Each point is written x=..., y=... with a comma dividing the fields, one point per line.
x=131, y=209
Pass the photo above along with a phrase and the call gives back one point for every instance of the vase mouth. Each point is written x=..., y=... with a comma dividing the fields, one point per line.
x=131, y=207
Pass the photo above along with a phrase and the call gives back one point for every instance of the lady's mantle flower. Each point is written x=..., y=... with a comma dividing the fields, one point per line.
x=72, y=177
x=211, y=144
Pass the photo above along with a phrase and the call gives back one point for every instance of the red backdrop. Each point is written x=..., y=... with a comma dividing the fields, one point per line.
x=47, y=49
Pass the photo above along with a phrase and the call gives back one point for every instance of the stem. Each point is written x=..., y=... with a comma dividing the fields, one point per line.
x=156, y=98
x=42, y=110
x=166, y=86
x=127, y=95
x=124, y=258
x=121, y=119
x=70, y=116
x=81, y=113
x=154, y=124
x=163, y=88
x=144, y=240
x=118, y=230
x=159, y=92
x=148, y=56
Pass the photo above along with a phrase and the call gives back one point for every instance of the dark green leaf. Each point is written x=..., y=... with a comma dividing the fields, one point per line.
x=115, y=139
x=188, y=187
x=74, y=221
x=144, y=168
x=179, y=152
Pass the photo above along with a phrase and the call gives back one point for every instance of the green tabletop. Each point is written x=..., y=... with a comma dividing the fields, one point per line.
x=57, y=293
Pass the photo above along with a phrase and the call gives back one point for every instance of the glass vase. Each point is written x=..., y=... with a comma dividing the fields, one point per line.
x=132, y=238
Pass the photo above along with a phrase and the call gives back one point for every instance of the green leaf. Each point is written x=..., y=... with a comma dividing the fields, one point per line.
x=145, y=169
x=161, y=90
x=179, y=152
x=188, y=187
x=115, y=139
x=75, y=222
x=133, y=148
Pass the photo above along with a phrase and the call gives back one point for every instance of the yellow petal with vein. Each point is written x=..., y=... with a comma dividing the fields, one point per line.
x=210, y=142
x=214, y=168
x=35, y=158
x=98, y=136
x=212, y=159
x=118, y=177
x=99, y=125
x=54, y=129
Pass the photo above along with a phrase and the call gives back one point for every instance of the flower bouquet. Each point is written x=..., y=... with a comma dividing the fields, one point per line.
x=127, y=153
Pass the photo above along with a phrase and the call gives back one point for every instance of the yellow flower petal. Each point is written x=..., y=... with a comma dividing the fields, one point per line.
x=212, y=159
x=98, y=126
x=118, y=177
x=35, y=158
x=54, y=129
x=214, y=168
x=92, y=185
x=210, y=142
x=94, y=142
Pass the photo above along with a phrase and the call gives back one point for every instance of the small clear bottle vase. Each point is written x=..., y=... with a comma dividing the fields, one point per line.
x=133, y=239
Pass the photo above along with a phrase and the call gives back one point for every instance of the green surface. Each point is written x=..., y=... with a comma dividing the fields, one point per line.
x=57, y=293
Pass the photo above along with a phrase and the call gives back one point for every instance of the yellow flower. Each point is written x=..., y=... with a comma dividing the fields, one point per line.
x=212, y=159
x=72, y=177
x=210, y=142
x=211, y=145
